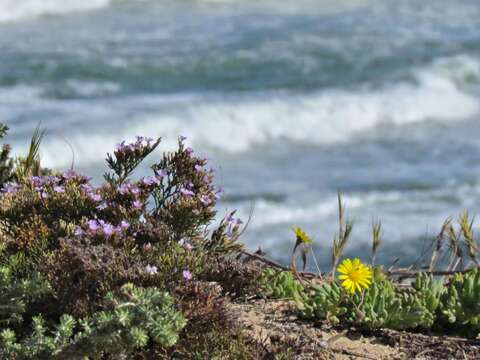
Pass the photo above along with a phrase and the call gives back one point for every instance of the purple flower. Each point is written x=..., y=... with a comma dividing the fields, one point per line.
x=93, y=225
x=151, y=180
x=198, y=168
x=58, y=189
x=152, y=270
x=160, y=174
x=102, y=206
x=124, y=225
x=11, y=188
x=36, y=180
x=69, y=174
x=187, y=193
x=188, y=247
x=234, y=221
x=189, y=150
x=95, y=197
x=44, y=195
x=143, y=141
x=187, y=275
x=134, y=190
x=86, y=187
x=78, y=231
x=108, y=230
x=205, y=200
x=120, y=146
x=137, y=204
x=124, y=189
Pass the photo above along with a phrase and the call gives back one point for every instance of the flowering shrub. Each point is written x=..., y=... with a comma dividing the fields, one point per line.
x=86, y=241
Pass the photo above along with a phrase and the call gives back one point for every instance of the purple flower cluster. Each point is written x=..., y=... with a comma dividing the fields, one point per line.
x=187, y=192
x=135, y=192
x=152, y=180
x=72, y=175
x=10, y=188
x=233, y=224
x=97, y=227
x=139, y=145
x=128, y=188
x=44, y=185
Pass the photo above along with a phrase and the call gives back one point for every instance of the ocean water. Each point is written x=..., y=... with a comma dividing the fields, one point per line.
x=292, y=101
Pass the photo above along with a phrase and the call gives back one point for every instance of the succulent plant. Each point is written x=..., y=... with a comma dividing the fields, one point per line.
x=323, y=302
x=280, y=284
x=461, y=303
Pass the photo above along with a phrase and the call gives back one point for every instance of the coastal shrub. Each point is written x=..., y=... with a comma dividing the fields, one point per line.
x=128, y=321
x=17, y=294
x=209, y=326
x=109, y=254
x=237, y=278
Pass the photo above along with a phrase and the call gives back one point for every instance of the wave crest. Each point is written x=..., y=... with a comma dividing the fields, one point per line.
x=13, y=10
x=236, y=123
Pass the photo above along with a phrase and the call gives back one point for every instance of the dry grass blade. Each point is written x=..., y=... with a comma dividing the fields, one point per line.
x=454, y=243
x=376, y=238
x=467, y=229
x=340, y=241
x=438, y=244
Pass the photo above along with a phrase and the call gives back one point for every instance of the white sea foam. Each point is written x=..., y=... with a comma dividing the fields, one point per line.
x=268, y=213
x=236, y=123
x=13, y=10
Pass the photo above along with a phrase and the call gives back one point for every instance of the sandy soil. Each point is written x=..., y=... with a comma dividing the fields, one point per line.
x=275, y=322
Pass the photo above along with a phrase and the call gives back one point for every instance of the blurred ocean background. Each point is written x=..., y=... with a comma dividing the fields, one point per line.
x=292, y=101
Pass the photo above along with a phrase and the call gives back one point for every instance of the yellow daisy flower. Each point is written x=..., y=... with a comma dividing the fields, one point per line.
x=355, y=275
x=302, y=236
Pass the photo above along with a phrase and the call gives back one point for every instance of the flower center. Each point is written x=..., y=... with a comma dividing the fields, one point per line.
x=355, y=275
